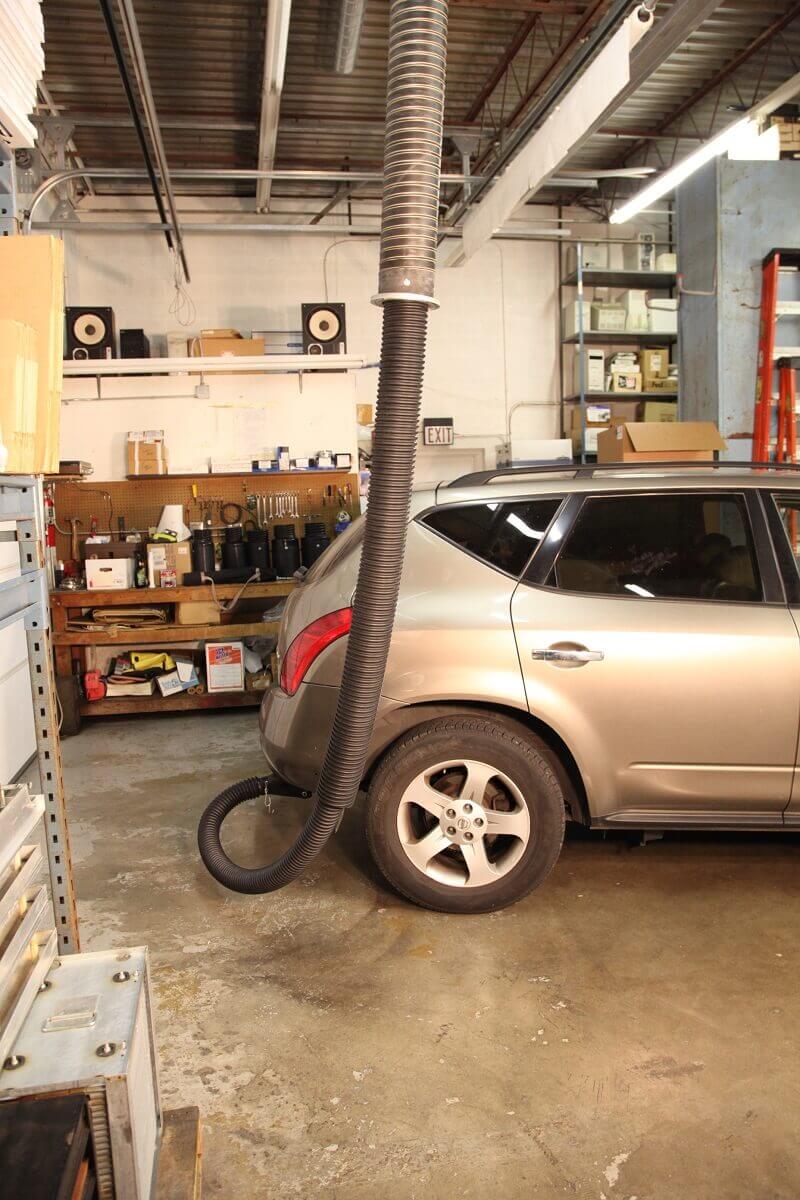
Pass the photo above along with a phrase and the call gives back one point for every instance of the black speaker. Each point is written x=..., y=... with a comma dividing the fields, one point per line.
x=90, y=333
x=324, y=329
x=133, y=343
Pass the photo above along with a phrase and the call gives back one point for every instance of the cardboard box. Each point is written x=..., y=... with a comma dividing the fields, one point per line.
x=208, y=346
x=594, y=369
x=607, y=317
x=110, y=574
x=225, y=666
x=626, y=381
x=598, y=418
x=594, y=257
x=655, y=364
x=112, y=549
x=32, y=270
x=570, y=316
x=663, y=316
x=639, y=254
x=166, y=556
x=659, y=410
x=365, y=414
x=668, y=385
x=197, y=612
x=20, y=440
x=636, y=312
x=180, y=680
x=146, y=452
x=660, y=441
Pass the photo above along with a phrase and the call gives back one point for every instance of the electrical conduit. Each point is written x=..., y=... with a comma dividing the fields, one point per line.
x=412, y=160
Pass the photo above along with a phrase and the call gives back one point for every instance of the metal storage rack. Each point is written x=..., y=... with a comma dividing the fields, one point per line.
x=581, y=278
x=24, y=598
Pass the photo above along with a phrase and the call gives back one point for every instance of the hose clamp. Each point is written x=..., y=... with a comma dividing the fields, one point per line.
x=383, y=296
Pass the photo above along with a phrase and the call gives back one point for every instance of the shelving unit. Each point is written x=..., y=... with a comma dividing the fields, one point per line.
x=71, y=644
x=23, y=598
x=620, y=279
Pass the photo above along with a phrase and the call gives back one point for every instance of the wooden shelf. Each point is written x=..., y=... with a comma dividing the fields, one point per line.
x=120, y=705
x=163, y=635
x=597, y=337
x=66, y=598
x=650, y=281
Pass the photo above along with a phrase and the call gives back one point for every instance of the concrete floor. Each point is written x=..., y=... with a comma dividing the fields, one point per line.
x=628, y=1031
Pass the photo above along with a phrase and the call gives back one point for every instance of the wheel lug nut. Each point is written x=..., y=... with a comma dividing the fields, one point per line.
x=467, y=808
x=451, y=829
x=468, y=836
x=451, y=812
x=479, y=821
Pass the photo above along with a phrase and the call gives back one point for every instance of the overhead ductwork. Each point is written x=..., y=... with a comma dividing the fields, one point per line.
x=351, y=18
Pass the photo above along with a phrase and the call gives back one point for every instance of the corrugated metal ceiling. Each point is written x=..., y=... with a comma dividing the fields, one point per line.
x=205, y=62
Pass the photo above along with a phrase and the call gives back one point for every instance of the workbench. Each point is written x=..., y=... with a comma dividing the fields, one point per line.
x=71, y=644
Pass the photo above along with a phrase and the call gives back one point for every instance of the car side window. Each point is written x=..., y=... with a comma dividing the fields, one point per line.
x=502, y=535
x=788, y=507
x=664, y=546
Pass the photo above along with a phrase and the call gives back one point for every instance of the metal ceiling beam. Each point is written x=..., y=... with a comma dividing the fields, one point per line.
x=556, y=7
x=716, y=80
x=663, y=40
x=131, y=29
x=275, y=42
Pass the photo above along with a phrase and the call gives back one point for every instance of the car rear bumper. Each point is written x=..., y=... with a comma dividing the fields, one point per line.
x=295, y=730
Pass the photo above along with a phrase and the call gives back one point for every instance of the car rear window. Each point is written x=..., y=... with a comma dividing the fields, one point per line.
x=504, y=535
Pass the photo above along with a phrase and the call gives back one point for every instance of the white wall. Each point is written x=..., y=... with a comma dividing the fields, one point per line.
x=492, y=343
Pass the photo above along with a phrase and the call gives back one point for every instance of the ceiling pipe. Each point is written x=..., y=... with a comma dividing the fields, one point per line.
x=127, y=87
x=131, y=29
x=351, y=17
x=245, y=173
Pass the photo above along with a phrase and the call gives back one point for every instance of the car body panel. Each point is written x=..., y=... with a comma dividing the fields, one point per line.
x=691, y=718
x=693, y=705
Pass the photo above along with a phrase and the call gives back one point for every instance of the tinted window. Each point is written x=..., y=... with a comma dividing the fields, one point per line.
x=789, y=509
x=503, y=535
x=691, y=547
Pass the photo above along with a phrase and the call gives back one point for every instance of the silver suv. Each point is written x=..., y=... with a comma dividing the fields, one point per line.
x=617, y=647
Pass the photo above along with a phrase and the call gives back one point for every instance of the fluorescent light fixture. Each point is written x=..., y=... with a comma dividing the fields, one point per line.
x=670, y=179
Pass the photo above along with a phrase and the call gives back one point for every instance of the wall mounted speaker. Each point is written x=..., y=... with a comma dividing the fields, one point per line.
x=324, y=329
x=89, y=333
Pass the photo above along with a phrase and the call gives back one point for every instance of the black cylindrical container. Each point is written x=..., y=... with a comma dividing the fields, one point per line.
x=202, y=550
x=285, y=551
x=257, y=548
x=315, y=540
x=233, y=549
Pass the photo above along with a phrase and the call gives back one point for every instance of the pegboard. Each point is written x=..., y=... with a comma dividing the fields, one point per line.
x=140, y=501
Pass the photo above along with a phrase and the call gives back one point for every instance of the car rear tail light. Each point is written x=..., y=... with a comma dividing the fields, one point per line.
x=309, y=644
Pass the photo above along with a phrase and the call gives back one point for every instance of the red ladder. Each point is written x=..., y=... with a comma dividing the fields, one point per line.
x=786, y=448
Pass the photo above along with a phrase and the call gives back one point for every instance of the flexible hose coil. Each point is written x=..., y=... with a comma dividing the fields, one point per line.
x=415, y=105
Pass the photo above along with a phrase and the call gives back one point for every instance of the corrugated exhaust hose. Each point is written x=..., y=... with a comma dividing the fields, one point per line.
x=412, y=159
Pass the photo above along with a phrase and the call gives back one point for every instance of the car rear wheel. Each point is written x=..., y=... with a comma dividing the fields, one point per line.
x=466, y=814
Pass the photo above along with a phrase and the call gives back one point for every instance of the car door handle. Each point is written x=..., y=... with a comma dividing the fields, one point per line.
x=577, y=654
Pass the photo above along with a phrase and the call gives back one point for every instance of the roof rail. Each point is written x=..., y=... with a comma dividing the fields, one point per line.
x=557, y=467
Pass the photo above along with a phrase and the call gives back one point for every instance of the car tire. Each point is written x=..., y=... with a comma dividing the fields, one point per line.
x=494, y=768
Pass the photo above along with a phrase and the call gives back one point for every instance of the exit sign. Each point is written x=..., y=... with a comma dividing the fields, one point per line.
x=438, y=431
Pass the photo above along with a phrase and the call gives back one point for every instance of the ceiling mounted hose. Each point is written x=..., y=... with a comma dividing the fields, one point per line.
x=412, y=160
